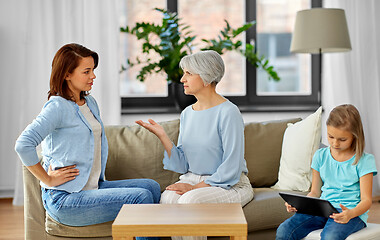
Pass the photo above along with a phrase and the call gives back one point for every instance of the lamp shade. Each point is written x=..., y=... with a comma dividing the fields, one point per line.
x=320, y=30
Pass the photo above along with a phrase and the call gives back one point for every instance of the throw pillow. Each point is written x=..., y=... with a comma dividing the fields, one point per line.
x=300, y=142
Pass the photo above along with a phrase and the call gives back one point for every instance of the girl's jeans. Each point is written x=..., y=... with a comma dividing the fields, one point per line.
x=300, y=225
x=99, y=205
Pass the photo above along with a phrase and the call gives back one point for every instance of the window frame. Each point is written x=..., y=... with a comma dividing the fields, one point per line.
x=250, y=102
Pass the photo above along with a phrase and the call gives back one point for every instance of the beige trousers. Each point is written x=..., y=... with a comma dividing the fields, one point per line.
x=241, y=192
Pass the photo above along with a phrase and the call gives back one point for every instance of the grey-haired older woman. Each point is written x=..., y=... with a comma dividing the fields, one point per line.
x=210, y=149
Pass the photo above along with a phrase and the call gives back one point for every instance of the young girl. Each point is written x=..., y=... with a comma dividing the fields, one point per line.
x=342, y=174
x=75, y=148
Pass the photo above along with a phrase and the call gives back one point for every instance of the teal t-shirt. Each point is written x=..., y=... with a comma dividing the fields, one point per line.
x=341, y=179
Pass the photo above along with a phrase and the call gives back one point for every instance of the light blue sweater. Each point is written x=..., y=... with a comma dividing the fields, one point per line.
x=211, y=142
x=67, y=139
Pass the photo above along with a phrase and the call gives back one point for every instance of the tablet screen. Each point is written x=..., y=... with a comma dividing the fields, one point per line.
x=309, y=205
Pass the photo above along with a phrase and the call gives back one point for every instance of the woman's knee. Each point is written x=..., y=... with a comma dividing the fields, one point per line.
x=194, y=196
x=152, y=184
x=155, y=189
x=142, y=196
x=169, y=197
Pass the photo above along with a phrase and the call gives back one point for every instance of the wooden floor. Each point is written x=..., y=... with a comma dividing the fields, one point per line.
x=12, y=219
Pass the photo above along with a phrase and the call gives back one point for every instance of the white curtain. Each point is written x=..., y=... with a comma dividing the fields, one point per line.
x=30, y=34
x=354, y=77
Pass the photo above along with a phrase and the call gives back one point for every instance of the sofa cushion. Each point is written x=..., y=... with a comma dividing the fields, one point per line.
x=263, y=141
x=57, y=229
x=134, y=152
x=267, y=210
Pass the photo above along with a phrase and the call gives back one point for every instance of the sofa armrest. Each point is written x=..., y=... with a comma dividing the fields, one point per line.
x=34, y=211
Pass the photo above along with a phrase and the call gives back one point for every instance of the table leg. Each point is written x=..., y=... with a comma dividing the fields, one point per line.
x=238, y=237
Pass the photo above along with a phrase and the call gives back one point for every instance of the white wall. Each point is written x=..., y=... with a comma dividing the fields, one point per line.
x=12, y=67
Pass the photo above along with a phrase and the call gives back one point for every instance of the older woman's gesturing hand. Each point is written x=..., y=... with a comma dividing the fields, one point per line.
x=159, y=131
x=153, y=127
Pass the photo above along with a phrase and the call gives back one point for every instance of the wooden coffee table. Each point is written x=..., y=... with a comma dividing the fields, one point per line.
x=162, y=220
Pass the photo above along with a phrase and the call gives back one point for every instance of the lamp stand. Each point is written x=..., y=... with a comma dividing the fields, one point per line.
x=320, y=76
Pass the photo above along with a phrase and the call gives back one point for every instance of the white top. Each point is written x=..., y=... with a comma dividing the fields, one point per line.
x=93, y=180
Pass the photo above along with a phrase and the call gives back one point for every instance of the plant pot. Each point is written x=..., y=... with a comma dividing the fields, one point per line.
x=181, y=100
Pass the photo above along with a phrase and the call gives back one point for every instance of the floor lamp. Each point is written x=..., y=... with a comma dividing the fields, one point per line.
x=320, y=30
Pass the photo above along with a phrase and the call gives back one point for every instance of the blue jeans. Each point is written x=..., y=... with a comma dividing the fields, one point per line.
x=300, y=225
x=99, y=205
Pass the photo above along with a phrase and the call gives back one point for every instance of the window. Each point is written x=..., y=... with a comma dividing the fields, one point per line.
x=298, y=89
x=132, y=12
x=207, y=24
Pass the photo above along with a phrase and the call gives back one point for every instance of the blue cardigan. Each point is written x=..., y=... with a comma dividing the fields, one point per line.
x=66, y=139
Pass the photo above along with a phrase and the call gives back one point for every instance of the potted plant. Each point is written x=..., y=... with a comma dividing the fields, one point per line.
x=177, y=41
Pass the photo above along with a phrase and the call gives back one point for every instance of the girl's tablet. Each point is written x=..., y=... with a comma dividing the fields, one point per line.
x=309, y=205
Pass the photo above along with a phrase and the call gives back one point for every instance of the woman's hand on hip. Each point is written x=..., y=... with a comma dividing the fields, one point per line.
x=62, y=175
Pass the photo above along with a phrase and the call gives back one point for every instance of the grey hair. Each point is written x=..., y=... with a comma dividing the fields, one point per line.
x=208, y=64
